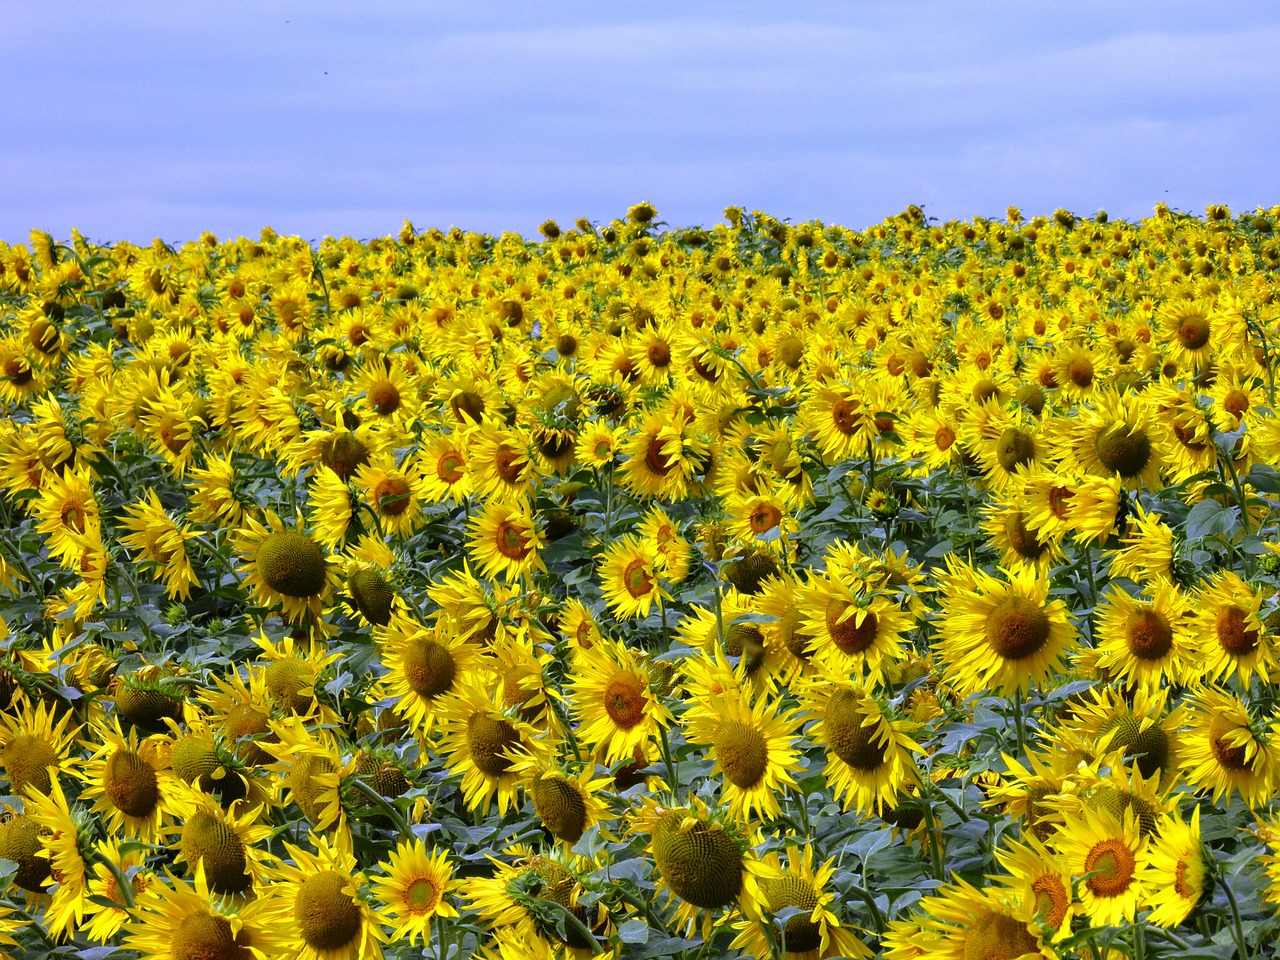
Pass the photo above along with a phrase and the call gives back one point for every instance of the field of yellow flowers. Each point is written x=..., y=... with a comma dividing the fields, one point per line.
x=772, y=590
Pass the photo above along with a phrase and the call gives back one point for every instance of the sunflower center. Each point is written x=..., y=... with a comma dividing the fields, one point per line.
x=1080, y=372
x=998, y=936
x=1124, y=450
x=1149, y=746
x=849, y=633
x=764, y=517
x=655, y=459
x=1017, y=628
x=304, y=786
x=20, y=842
x=384, y=398
x=130, y=783
x=509, y=466
x=702, y=865
x=373, y=595
x=844, y=417
x=1015, y=447
x=209, y=838
x=289, y=681
x=488, y=740
x=636, y=578
x=292, y=564
x=1233, y=634
x=246, y=720
x=1022, y=538
x=659, y=354
x=795, y=639
x=1052, y=898
x=852, y=739
x=561, y=807
x=743, y=754
x=449, y=467
x=203, y=936
x=511, y=541
x=327, y=917
x=421, y=895
x=1230, y=756
x=1193, y=331
x=1112, y=864
x=943, y=438
x=1183, y=886
x=624, y=701
x=26, y=760
x=1148, y=634
x=789, y=890
x=393, y=495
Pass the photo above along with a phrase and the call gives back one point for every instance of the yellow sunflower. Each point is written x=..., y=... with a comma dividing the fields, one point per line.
x=393, y=493
x=222, y=843
x=443, y=467
x=1226, y=750
x=318, y=898
x=964, y=922
x=1144, y=642
x=505, y=539
x=34, y=745
x=1176, y=873
x=177, y=919
x=1107, y=855
x=161, y=543
x=284, y=568
x=815, y=935
x=869, y=762
x=1043, y=880
x=423, y=664
x=629, y=577
x=128, y=781
x=1230, y=637
x=754, y=750
x=1001, y=636
x=414, y=889
x=852, y=633
x=616, y=709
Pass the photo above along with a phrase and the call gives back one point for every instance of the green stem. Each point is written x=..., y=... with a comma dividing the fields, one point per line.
x=1237, y=928
x=673, y=782
x=387, y=807
x=935, y=853
x=866, y=897
x=124, y=885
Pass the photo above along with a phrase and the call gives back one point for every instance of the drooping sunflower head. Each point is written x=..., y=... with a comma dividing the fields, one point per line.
x=284, y=567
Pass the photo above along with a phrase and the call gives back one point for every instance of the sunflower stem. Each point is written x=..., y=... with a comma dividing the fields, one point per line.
x=387, y=807
x=34, y=924
x=1237, y=928
x=869, y=899
x=123, y=885
x=668, y=759
x=935, y=853
x=1139, y=941
x=1019, y=723
x=442, y=939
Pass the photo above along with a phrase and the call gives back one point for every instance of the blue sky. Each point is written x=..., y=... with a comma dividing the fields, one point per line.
x=134, y=119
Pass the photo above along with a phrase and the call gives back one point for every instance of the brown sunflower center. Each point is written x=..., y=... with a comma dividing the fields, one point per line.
x=449, y=468
x=210, y=839
x=1080, y=372
x=1234, y=635
x=1150, y=744
x=1193, y=331
x=1022, y=538
x=421, y=895
x=509, y=466
x=943, y=438
x=289, y=682
x=488, y=740
x=844, y=417
x=393, y=496
x=328, y=918
x=130, y=783
x=1052, y=899
x=743, y=754
x=789, y=890
x=1148, y=634
x=793, y=637
x=1112, y=864
x=764, y=517
x=637, y=579
x=1230, y=756
x=655, y=459
x=1017, y=628
x=511, y=541
x=848, y=632
x=26, y=760
x=851, y=737
x=384, y=398
x=1059, y=500
x=624, y=701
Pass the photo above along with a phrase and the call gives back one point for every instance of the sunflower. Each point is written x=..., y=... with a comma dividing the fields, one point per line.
x=703, y=860
x=284, y=568
x=565, y=794
x=177, y=919
x=310, y=765
x=674, y=551
x=1043, y=881
x=629, y=577
x=808, y=936
x=1111, y=438
x=1176, y=873
x=754, y=750
x=423, y=664
x=34, y=746
x=1019, y=544
x=222, y=844
x=393, y=493
x=664, y=456
x=503, y=538
x=598, y=445
x=318, y=898
x=217, y=497
x=128, y=781
x=852, y=633
x=104, y=916
x=484, y=743
x=616, y=709
x=414, y=889
x=65, y=836
x=965, y=923
x=1001, y=636
x=1226, y=750
x=1144, y=642
x=1147, y=549
x=1029, y=792
x=1188, y=328
x=1135, y=724
x=67, y=510
x=1107, y=854
x=332, y=507
x=501, y=464
x=1230, y=636
x=869, y=762
x=161, y=543
x=785, y=633
x=842, y=424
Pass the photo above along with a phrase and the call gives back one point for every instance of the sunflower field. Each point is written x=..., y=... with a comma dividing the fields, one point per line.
x=768, y=590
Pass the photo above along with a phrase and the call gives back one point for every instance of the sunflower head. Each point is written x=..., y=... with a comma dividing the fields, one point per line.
x=749, y=572
x=327, y=916
x=292, y=564
x=209, y=840
x=372, y=595
x=20, y=842
x=560, y=804
x=147, y=703
x=698, y=859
